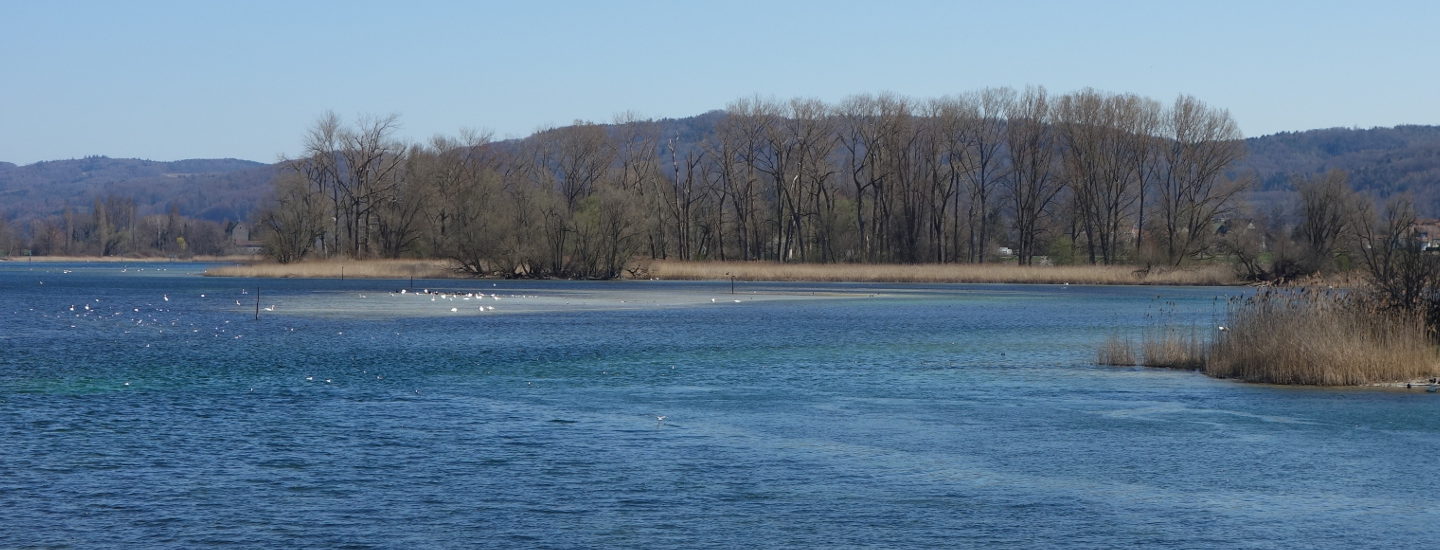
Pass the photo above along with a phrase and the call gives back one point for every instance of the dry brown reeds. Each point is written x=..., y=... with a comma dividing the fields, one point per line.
x=1162, y=347
x=344, y=269
x=1321, y=338
x=1116, y=351
x=941, y=273
x=1303, y=337
x=1173, y=348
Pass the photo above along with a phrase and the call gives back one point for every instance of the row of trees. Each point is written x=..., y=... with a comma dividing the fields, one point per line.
x=876, y=178
x=1330, y=227
x=114, y=226
x=11, y=242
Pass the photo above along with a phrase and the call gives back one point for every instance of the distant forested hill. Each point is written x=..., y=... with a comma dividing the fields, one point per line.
x=1381, y=161
x=211, y=189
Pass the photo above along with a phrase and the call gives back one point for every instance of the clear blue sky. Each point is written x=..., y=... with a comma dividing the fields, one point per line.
x=212, y=78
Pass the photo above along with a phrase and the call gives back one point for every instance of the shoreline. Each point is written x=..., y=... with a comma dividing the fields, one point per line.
x=342, y=269
x=670, y=270
x=1419, y=384
x=991, y=273
x=127, y=259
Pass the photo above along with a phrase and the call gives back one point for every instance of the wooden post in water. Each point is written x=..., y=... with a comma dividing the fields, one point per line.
x=257, y=303
x=732, y=283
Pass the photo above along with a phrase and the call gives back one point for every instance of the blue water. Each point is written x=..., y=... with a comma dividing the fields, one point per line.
x=805, y=415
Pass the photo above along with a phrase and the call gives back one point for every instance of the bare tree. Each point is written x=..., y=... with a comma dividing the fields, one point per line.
x=294, y=220
x=563, y=166
x=1032, y=184
x=478, y=234
x=868, y=125
x=1194, y=194
x=1403, y=274
x=577, y=157
x=982, y=161
x=638, y=171
x=443, y=170
x=320, y=166
x=1327, y=209
x=940, y=149
x=1091, y=130
x=355, y=167
x=682, y=197
x=740, y=138
x=811, y=137
x=897, y=208
x=607, y=232
x=400, y=205
x=374, y=163
x=1139, y=124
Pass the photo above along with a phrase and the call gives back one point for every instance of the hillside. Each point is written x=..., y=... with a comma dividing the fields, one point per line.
x=213, y=189
x=1381, y=161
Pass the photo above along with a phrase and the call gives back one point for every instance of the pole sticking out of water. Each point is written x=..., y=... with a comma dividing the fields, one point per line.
x=732, y=283
x=257, y=303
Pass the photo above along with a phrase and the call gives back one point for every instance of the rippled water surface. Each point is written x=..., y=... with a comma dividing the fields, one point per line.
x=144, y=405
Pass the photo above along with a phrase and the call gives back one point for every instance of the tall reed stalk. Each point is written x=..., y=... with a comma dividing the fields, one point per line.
x=1161, y=347
x=1116, y=351
x=1173, y=348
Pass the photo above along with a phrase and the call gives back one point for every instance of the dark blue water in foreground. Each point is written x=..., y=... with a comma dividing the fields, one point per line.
x=894, y=416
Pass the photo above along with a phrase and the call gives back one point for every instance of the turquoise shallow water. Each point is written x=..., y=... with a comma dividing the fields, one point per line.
x=354, y=416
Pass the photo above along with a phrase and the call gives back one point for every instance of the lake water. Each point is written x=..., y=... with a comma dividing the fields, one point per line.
x=144, y=405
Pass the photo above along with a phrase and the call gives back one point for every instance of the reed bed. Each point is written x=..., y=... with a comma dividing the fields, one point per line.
x=1164, y=347
x=941, y=273
x=1116, y=351
x=1321, y=338
x=1287, y=336
x=344, y=269
x=1173, y=348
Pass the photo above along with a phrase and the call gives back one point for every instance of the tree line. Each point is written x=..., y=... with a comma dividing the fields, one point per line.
x=1086, y=176
x=115, y=226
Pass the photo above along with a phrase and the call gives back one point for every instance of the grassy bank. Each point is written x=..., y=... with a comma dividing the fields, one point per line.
x=941, y=273
x=1304, y=337
x=338, y=269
